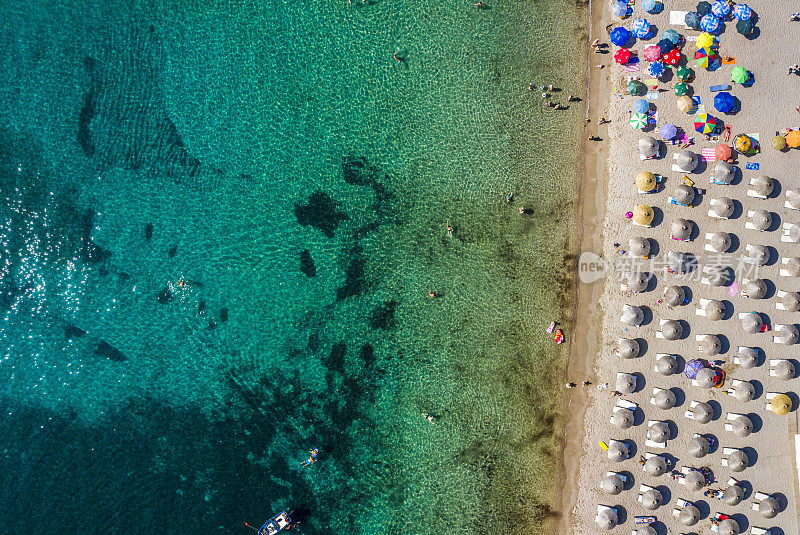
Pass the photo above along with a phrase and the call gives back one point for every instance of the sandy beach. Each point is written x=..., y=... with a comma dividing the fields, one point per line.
x=766, y=106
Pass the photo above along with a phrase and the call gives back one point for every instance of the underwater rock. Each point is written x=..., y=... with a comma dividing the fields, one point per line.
x=201, y=307
x=313, y=342
x=106, y=350
x=335, y=359
x=307, y=265
x=321, y=212
x=148, y=231
x=358, y=171
x=172, y=251
x=223, y=315
x=367, y=354
x=354, y=276
x=165, y=296
x=70, y=331
x=383, y=316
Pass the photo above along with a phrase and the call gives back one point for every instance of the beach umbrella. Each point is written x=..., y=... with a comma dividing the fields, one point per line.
x=626, y=383
x=628, y=348
x=622, y=419
x=720, y=9
x=648, y=147
x=703, y=413
x=683, y=73
x=768, y=507
x=672, y=57
x=723, y=151
x=793, y=199
x=617, y=451
x=742, y=12
x=652, y=53
x=704, y=40
x=632, y=315
x=745, y=27
x=744, y=391
x=720, y=242
x=668, y=131
x=733, y=495
x=748, y=357
x=672, y=35
x=692, y=20
x=793, y=267
x=620, y=9
x=724, y=173
x=677, y=261
x=698, y=446
x=638, y=120
x=761, y=219
x=738, y=461
x=612, y=484
x=752, y=322
x=674, y=295
x=791, y=301
x=641, y=105
x=704, y=123
x=607, y=518
x=715, y=310
x=690, y=515
x=652, y=499
x=671, y=330
x=742, y=426
x=665, y=399
x=723, y=101
x=728, y=527
x=640, y=28
x=643, y=215
x=793, y=139
x=706, y=378
x=646, y=181
x=703, y=57
x=719, y=276
x=684, y=194
x=681, y=88
x=723, y=207
x=619, y=36
x=687, y=160
x=635, y=87
x=779, y=143
x=656, y=69
x=692, y=368
x=667, y=365
x=681, y=229
x=665, y=45
x=742, y=143
x=703, y=8
x=684, y=103
x=639, y=247
x=622, y=56
x=695, y=480
x=786, y=334
x=781, y=404
x=784, y=370
x=651, y=6
x=764, y=186
x=709, y=23
x=637, y=281
x=658, y=432
x=758, y=254
x=739, y=74
x=655, y=466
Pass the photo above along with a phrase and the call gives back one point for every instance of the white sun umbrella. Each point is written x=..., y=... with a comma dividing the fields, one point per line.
x=674, y=295
x=684, y=194
x=698, y=446
x=687, y=160
x=607, y=518
x=665, y=399
x=632, y=315
x=706, y=377
x=617, y=451
x=733, y=495
x=612, y=484
x=791, y=301
x=784, y=370
x=764, y=186
x=710, y=345
x=728, y=527
x=655, y=466
x=667, y=365
x=626, y=383
x=786, y=334
x=648, y=147
x=744, y=391
x=742, y=426
x=720, y=242
x=672, y=330
x=755, y=288
x=639, y=247
x=658, y=432
x=695, y=480
x=689, y=515
x=703, y=413
x=652, y=499
x=761, y=219
x=628, y=348
x=738, y=461
x=724, y=173
x=752, y=322
x=722, y=207
x=758, y=254
x=748, y=357
x=622, y=419
x=768, y=507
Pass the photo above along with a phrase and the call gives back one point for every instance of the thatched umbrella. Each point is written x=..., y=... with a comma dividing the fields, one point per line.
x=722, y=207
x=681, y=229
x=742, y=426
x=665, y=399
x=689, y=516
x=793, y=267
x=748, y=357
x=622, y=419
x=758, y=254
x=755, y=288
x=667, y=364
x=724, y=172
x=677, y=261
x=687, y=160
x=626, y=383
x=674, y=295
x=684, y=194
x=710, y=345
x=703, y=413
x=752, y=322
x=719, y=276
x=706, y=378
x=764, y=186
x=787, y=334
x=658, y=432
x=791, y=301
x=655, y=466
x=632, y=315
x=761, y=219
x=729, y=527
x=652, y=499
x=793, y=198
x=637, y=281
x=672, y=330
x=738, y=461
x=646, y=181
x=618, y=451
x=607, y=519
x=784, y=370
x=643, y=215
x=646, y=530
x=648, y=147
x=744, y=391
x=781, y=404
x=612, y=484
x=733, y=495
x=768, y=507
x=628, y=348
x=794, y=233
x=695, y=480
x=698, y=446
x=720, y=242
x=715, y=310
x=639, y=247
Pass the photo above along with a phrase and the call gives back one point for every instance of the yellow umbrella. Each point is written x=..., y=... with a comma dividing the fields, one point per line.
x=643, y=215
x=742, y=143
x=779, y=143
x=793, y=139
x=646, y=181
x=685, y=103
x=705, y=40
x=781, y=404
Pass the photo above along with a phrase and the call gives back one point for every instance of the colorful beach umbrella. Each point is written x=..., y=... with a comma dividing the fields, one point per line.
x=681, y=88
x=745, y=27
x=672, y=35
x=622, y=56
x=723, y=152
x=652, y=53
x=635, y=87
x=649, y=5
x=723, y=101
x=656, y=69
x=793, y=139
x=739, y=74
x=638, y=120
x=721, y=9
x=640, y=28
x=685, y=103
x=620, y=36
x=704, y=123
x=692, y=367
x=692, y=20
x=703, y=57
x=703, y=8
x=742, y=143
x=705, y=40
x=620, y=9
x=742, y=12
x=641, y=106
x=779, y=143
x=683, y=73
x=709, y=23
x=668, y=131
x=672, y=57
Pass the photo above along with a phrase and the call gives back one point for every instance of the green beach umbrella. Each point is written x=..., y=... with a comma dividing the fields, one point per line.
x=739, y=74
x=683, y=73
x=635, y=87
x=681, y=88
x=745, y=27
x=638, y=120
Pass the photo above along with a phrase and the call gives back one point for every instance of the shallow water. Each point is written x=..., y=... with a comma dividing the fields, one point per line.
x=219, y=226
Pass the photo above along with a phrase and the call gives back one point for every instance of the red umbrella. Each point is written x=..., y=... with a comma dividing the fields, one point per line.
x=652, y=53
x=672, y=57
x=622, y=56
x=723, y=152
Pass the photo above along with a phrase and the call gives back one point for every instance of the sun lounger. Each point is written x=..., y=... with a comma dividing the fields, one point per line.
x=686, y=469
x=678, y=18
x=778, y=304
x=760, y=531
x=622, y=476
x=736, y=359
x=777, y=327
x=732, y=481
x=729, y=419
x=711, y=213
x=726, y=452
x=786, y=237
x=689, y=412
x=768, y=397
x=701, y=310
x=784, y=272
x=772, y=364
x=748, y=224
x=754, y=193
x=720, y=87
x=787, y=204
x=625, y=404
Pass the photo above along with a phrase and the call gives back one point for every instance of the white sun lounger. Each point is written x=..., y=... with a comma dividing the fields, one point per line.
x=656, y=390
x=787, y=204
x=678, y=18
x=689, y=412
x=784, y=272
x=760, y=531
x=726, y=452
x=779, y=294
x=650, y=443
x=772, y=364
x=732, y=481
x=625, y=404
x=768, y=397
x=713, y=214
x=622, y=476
x=758, y=497
x=776, y=328
x=786, y=237
x=729, y=419
x=701, y=310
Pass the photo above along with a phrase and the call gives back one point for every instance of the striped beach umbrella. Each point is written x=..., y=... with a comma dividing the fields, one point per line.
x=672, y=57
x=638, y=120
x=779, y=143
x=721, y=9
x=703, y=57
x=723, y=101
x=672, y=35
x=739, y=74
x=620, y=36
x=652, y=53
x=656, y=69
x=640, y=28
x=622, y=56
x=620, y=9
x=745, y=27
x=742, y=12
x=641, y=106
x=705, y=40
x=704, y=123
x=710, y=23
x=681, y=88
x=683, y=73
x=692, y=20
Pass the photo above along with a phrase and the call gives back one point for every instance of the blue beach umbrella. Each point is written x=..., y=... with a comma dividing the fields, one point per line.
x=656, y=69
x=721, y=9
x=619, y=36
x=692, y=20
x=671, y=35
x=620, y=9
x=709, y=23
x=692, y=367
x=640, y=28
x=668, y=131
x=649, y=5
x=742, y=12
x=703, y=8
x=641, y=106
x=723, y=101
x=665, y=45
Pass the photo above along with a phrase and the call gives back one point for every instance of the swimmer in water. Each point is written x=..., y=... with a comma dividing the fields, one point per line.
x=509, y=198
x=428, y=417
x=449, y=230
x=312, y=457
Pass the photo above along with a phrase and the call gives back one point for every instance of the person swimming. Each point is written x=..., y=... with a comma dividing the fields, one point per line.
x=312, y=457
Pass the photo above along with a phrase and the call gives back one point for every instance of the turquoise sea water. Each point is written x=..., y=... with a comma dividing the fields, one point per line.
x=219, y=226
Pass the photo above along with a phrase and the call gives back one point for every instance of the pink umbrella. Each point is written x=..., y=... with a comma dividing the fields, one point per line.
x=652, y=53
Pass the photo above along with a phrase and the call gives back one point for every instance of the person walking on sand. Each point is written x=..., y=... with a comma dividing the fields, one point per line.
x=570, y=385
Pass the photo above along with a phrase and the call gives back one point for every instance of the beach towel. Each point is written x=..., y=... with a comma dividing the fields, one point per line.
x=709, y=155
x=692, y=38
x=631, y=68
x=651, y=96
x=677, y=18
x=731, y=61
x=733, y=289
x=752, y=166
